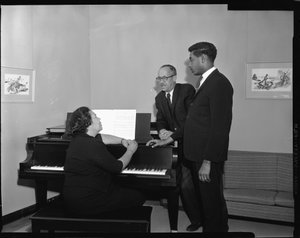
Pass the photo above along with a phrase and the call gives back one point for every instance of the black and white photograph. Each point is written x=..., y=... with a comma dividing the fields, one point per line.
x=153, y=119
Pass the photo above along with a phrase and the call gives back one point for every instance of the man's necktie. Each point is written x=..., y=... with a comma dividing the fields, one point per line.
x=198, y=82
x=169, y=99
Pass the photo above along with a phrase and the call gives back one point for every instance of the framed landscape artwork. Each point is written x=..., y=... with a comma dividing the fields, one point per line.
x=17, y=85
x=269, y=80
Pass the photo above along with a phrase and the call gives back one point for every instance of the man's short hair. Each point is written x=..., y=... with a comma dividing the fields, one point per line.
x=204, y=48
x=171, y=68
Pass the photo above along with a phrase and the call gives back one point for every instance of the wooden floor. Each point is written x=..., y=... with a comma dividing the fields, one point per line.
x=160, y=224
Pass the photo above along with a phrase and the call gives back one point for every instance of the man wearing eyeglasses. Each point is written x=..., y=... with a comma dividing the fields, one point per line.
x=172, y=104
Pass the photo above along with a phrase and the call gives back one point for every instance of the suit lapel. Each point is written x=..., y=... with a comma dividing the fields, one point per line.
x=175, y=97
x=205, y=82
x=168, y=108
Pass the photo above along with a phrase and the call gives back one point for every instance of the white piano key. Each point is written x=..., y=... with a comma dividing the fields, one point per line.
x=50, y=168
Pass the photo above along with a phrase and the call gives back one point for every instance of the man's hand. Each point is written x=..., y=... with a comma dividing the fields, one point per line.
x=204, y=171
x=154, y=143
x=164, y=134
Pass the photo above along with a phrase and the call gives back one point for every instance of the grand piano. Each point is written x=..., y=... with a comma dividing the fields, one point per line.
x=151, y=170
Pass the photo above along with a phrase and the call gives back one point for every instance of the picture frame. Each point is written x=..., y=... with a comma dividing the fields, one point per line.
x=269, y=80
x=17, y=85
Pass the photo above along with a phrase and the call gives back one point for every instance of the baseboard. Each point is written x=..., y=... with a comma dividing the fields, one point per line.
x=11, y=217
x=260, y=220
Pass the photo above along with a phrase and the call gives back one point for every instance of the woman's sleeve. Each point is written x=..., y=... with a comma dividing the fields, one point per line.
x=105, y=160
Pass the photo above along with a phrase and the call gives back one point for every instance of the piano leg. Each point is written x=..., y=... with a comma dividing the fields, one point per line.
x=41, y=192
x=173, y=206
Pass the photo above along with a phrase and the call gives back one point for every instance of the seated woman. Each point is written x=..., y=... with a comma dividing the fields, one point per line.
x=88, y=186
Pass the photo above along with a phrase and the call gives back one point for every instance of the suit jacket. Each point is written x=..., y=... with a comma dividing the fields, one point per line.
x=207, y=126
x=174, y=119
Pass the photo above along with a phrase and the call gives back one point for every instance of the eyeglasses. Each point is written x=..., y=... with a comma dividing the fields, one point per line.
x=164, y=78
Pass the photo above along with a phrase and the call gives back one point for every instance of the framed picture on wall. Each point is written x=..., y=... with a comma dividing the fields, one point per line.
x=17, y=85
x=269, y=80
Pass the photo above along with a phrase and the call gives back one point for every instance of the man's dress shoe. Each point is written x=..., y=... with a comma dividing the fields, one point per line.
x=193, y=227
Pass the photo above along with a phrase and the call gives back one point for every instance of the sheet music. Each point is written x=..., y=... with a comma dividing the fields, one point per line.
x=118, y=122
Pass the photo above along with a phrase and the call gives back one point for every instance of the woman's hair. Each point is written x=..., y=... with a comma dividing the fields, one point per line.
x=79, y=121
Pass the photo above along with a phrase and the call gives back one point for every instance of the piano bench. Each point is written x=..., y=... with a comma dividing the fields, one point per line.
x=57, y=218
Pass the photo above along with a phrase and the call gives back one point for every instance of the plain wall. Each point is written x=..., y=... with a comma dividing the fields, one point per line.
x=107, y=57
x=55, y=42
x=130, y=43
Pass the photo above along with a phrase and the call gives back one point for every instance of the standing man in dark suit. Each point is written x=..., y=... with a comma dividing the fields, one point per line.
x=206, y=134
x=172, y=105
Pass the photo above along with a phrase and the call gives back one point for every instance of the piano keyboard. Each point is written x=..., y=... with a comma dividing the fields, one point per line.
x=126, y=171
x=51, y=168
x=145, y=171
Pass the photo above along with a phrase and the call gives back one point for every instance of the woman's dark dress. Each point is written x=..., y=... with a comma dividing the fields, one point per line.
x=88, y=187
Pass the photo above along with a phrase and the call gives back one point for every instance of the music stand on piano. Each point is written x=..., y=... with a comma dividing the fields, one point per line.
x=142, y=129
